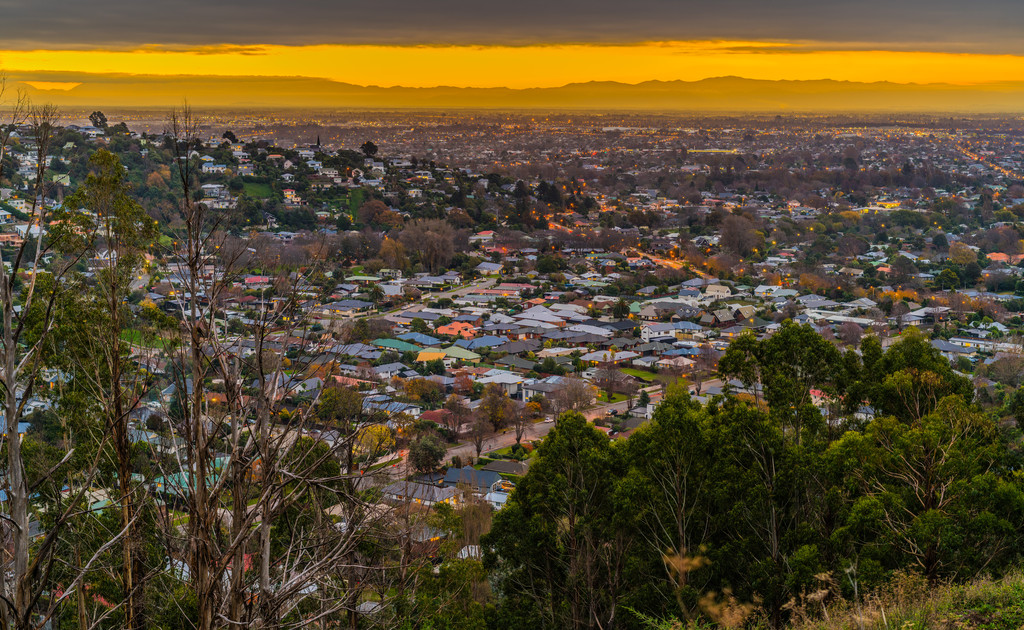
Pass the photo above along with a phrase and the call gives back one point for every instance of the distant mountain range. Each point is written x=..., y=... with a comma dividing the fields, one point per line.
x=726, y=94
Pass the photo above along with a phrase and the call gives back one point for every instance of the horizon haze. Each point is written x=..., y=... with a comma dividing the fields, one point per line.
x=714, y=94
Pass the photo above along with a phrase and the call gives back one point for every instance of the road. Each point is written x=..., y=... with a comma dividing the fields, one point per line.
x=672, y=263
x=989, y=163
x=467, y=451
x=476, y=285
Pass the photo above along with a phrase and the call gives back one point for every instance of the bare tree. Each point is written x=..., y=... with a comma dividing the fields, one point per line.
x=899, y=313
x=250, y=461
x=191, y=257
x=613, y=381
x=457, y=413
x=850, y=333
x=573, y=394
x=704, y=365
x=630, y=387
x=740, y=235
x=520, y=418
x=19, y=111
x=432, y=239
x=606, y=378
x=479, y=429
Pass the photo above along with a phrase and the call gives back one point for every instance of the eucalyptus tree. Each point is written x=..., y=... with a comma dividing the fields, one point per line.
x=115, y=231
x=784, y=368
x=33, y=277
x=259, y=450
x=556, y=549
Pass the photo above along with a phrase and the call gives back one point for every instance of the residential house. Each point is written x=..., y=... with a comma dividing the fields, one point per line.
x=420, y=493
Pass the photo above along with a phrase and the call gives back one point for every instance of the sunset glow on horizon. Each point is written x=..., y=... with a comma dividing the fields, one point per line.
x=310, y=53
x=527, y=66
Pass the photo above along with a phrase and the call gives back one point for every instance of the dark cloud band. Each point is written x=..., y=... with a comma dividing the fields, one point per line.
x=992, y=26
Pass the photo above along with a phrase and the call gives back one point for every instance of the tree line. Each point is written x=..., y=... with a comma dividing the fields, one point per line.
x=750, y=502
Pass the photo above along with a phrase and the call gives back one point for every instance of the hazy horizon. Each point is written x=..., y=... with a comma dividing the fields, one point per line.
x=727, y=93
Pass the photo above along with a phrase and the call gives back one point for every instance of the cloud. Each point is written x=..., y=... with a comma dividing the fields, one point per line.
x=991, y=26
x=60, y=86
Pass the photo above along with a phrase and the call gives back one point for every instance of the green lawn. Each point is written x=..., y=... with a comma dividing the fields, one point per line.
x=650, y=377
x=355, y=199
x=136, y=338
x=643, y=375
x=258, y=191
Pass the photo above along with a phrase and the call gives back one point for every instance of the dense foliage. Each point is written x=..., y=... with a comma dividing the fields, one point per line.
x=738, y=503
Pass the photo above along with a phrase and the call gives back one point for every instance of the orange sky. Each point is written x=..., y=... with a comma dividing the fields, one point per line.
x=531, y=66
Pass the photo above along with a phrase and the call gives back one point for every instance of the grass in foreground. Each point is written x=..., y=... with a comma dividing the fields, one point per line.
x=907, y=602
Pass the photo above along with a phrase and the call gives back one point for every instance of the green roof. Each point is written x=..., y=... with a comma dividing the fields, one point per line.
x=458, y=352
x=396, y=344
